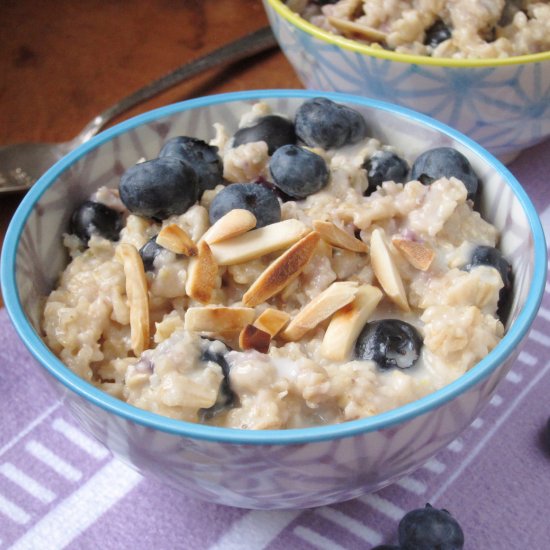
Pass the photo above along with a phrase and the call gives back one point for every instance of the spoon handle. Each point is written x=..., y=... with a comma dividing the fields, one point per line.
x=241, y=48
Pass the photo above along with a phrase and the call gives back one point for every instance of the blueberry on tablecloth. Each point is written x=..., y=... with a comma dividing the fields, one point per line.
x=430, y=528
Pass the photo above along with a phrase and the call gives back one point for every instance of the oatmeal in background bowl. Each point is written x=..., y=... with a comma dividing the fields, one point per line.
x=481, y=67
x=441, y=28
x=227, y=337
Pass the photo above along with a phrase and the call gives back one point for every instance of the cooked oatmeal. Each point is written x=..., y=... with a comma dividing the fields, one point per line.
x=440, y=28
x=259, y=322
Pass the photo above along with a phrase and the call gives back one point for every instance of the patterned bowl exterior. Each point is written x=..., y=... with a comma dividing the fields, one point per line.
x=505, y=108
x=269, y=469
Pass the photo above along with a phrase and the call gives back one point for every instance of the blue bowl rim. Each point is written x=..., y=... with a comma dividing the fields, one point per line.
x=506, y=347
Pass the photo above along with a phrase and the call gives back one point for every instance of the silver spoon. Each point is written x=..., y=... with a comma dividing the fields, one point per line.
x=22, y=164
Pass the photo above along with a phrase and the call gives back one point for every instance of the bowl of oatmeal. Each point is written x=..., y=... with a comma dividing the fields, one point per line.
x=480, y=67
x=275, y=299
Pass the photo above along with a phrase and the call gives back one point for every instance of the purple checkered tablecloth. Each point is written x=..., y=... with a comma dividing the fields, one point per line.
x=60, y=489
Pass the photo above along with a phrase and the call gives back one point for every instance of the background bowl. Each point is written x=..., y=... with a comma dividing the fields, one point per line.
x=279, y=468
x=503, y=104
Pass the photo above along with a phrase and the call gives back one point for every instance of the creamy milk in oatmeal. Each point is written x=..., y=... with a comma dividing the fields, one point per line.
x=440, y=28
x=293, y=272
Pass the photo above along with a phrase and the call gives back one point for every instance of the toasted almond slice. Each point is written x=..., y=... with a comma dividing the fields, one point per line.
x=252, y=337
x=138, y=296
x=350, y=28
x=419, y=255
x=258, y=242
x=234, y=223
x=202, y=275
x=337, y=237
x=175, y=239
x=218, y=319
x=282, y=271
x=336, y=296
x=385, y=269
x=347, y=323
x=272, y=321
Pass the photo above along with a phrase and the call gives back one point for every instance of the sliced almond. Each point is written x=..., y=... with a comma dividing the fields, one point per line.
x=252, y=337
x=336, y=296
x=337, y=237
x=234, y=223
x=282, y=271
x=174, y=238
x=419, y=255
x=202, y=275
x=272, y=321
x=258, y=242
x=354, y=30
x=347, y=323
x=138, y=296
x=218, y=319
x=386, y=271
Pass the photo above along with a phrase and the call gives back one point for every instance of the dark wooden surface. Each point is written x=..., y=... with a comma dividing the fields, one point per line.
x=62, y=62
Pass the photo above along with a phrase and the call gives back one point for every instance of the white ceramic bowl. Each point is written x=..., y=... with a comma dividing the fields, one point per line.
x=503, y=104
x=264, y=469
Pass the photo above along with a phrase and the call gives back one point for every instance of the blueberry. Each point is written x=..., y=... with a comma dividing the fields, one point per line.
x=437, y=33
x=445, y=162
x=298, y=172
x=488, y=255
x=389, y=343
x=511, y=7
x=272, y=187
x=545, y=436
x=430, y=529
x=202, y=157
x=148, y=252
x=95, y=218
x=159, y=188
x=384, y=166
x=322, y=123
x=386, y=547
x=275, y=130
x=226, y=396
x=259, y=200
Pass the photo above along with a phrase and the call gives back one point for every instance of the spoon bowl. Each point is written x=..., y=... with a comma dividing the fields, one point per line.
x=21, y=164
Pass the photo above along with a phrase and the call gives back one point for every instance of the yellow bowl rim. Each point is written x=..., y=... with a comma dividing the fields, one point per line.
x=352, y=45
